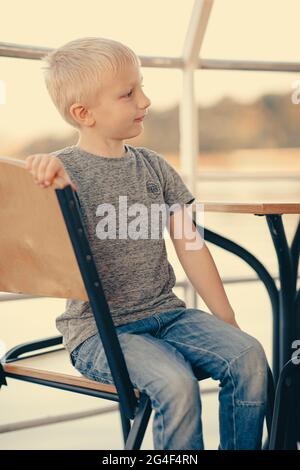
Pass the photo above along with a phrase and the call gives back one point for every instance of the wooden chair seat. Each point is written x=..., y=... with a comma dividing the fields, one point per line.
x=56, y=366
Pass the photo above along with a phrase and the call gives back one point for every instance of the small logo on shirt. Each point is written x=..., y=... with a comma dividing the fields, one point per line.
x=153, y=189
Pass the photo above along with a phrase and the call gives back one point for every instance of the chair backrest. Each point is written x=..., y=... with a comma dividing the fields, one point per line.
x=34, y=239
x=44, y=250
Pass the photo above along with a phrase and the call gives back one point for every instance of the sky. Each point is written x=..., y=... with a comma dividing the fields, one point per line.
x=237, y=29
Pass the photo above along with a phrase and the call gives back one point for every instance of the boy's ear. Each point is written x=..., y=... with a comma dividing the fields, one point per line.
x=82, y=115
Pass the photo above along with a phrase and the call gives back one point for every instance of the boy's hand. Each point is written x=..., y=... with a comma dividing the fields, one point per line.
x=47, y=169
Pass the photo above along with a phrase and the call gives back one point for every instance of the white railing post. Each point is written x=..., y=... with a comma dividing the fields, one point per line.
x=188, y=113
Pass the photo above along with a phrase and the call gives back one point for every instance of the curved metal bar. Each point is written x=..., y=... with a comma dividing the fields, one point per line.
x=30, y=346
x=264, y=276
x=287, y=293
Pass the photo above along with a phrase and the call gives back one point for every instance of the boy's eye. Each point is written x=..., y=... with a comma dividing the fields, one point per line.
x=130, y=93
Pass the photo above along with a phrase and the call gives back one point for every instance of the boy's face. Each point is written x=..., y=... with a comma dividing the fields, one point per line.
x=119, y=103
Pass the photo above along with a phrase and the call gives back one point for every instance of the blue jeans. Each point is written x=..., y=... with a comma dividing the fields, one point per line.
x=165, y=355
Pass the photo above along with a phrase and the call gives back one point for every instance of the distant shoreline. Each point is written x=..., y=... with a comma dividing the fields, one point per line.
x=279, y=159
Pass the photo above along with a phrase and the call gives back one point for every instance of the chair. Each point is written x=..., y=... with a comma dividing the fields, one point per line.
x=44, y=251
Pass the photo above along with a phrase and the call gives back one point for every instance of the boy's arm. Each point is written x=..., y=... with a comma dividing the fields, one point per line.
x=199, y=266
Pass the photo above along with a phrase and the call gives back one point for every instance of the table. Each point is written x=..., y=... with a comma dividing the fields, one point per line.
x=285, y=301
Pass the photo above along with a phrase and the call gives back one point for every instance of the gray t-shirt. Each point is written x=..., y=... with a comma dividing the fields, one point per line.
x=136, y=275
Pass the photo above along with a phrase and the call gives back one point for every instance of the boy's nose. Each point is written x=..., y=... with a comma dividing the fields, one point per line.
x=147, y=102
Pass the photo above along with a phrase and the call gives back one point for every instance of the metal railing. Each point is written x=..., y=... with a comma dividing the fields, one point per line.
x=4, y=297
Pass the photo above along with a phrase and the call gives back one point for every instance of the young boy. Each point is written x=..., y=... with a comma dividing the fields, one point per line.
x=96, y=85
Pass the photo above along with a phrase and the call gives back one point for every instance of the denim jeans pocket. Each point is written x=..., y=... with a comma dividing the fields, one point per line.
x=74, y=354
x=90, y=360
x=80, y=349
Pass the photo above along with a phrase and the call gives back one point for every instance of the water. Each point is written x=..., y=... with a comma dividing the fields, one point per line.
x=27, y=320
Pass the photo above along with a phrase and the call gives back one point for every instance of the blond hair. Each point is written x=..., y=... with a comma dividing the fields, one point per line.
x=74, y=71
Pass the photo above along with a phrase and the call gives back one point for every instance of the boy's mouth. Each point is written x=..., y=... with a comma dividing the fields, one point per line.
x=140, y=118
